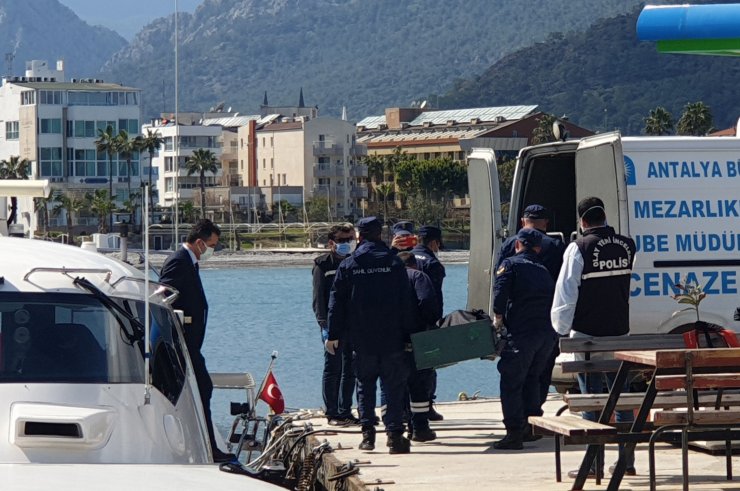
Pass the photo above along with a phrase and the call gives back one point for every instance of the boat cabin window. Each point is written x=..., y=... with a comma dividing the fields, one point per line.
x=550, y=181
x=73, y=338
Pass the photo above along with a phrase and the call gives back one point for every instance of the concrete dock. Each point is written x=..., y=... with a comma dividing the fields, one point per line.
x=462, y=458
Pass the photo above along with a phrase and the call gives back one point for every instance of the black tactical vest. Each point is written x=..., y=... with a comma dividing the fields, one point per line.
x=603, y=299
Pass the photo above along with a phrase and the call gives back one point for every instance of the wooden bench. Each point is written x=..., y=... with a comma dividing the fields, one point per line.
x=633, y=400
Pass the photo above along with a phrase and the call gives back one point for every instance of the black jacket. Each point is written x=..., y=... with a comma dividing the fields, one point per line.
x=523, y=294
x=551, y=254
x=324, y=268
x=179, y=272
x=427, y=262
x=370, y=301
x=428, y=310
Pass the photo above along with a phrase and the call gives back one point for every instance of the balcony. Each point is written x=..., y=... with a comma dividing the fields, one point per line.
x=358, y=150
x=359, y=170
x=326, y=148
x=358, y=192
x=323, y=190
x=328, y=170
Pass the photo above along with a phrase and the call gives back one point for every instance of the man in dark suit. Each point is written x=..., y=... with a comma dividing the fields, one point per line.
x=181, y=272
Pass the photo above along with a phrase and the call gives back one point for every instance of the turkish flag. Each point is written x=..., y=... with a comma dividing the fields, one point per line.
x=271, y=394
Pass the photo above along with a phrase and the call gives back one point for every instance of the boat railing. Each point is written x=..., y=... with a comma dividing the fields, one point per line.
x=66, y=271
x=161, y=288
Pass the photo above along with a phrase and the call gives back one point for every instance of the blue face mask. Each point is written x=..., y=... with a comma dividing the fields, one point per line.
x=345, y=248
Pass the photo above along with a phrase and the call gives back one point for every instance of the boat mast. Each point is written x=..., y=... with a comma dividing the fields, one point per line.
x=176, y=242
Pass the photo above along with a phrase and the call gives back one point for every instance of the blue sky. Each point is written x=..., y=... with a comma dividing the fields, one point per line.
x=126, y=17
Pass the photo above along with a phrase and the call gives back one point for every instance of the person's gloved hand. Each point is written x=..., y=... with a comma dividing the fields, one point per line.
x=331, y=346
x=498, y=321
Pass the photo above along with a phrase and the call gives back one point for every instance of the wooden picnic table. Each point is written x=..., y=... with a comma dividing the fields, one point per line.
x=707, y=363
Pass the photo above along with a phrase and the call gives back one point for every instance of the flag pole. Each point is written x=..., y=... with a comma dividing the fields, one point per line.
x=273, y=357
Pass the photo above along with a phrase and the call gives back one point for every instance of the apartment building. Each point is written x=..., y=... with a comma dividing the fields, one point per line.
x=173, y=182
x=320, y=156
x=54, y=124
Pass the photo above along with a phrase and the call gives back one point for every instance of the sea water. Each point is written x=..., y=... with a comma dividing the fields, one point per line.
x=255, y=311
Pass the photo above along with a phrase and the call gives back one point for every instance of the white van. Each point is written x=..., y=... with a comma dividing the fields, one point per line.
x=678, y=197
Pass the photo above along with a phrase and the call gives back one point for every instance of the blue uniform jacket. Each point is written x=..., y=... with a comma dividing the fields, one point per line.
x=370, y=302
x=551, y=254
x=428, y=310
x=427, y=262
x=523, y=293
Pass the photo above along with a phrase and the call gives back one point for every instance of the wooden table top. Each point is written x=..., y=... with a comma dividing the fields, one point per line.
x=676, y=358
x=646, y=357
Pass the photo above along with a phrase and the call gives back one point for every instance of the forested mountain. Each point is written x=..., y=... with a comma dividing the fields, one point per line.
x=604, y=78
x=363, y=54
x=47, y=30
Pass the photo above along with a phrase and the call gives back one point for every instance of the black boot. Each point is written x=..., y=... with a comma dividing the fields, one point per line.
x=423, y=435
x=397, y=443
x=512, y=441
x=433, y=414
x=368, y=438
x=528, y=435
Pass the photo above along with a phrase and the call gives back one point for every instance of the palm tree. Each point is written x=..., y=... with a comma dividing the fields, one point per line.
x=101, y=204
x=187, y=211
x=384, y=190
x=71, y=205
x=131, y=204
x=151, y=142
x=659, y=122
x=14, y=168
x=108, y=142
x=200, y=162
x=41, y=207
x=126, y=147
x=696, y=119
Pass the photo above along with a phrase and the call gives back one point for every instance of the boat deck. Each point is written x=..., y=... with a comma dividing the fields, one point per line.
x=462, y=458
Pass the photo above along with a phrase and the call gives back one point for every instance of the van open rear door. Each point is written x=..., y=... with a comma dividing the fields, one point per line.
x=600, y=173
x=485, y=227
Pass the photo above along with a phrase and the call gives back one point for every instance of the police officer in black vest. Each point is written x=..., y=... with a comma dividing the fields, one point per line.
x=551, y=254
x=521, y=300
x=425, y=253
x=369, y=305
x=592, y=296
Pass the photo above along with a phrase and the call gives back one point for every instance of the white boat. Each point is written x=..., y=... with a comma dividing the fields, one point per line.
x=76, y=408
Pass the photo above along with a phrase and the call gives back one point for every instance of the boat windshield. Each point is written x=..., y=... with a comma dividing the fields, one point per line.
x=66, y=337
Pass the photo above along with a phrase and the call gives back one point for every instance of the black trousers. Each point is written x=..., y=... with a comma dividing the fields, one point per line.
x=338, y=380
x=391, y=369
x=205, y=387
x=520, y=379
x=420, y=387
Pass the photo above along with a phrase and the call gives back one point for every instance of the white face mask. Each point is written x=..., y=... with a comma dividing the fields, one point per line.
x=345, y=248
x=205, y=255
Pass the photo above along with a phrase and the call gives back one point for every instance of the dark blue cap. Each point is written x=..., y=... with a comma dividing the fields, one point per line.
x=368, y=225
x=430, y=232
x=403, y=228
x=529, y=237
x=535, y=212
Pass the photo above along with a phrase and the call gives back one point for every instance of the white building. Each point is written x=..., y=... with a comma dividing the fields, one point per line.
x=54, y=124
x=172, y=177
